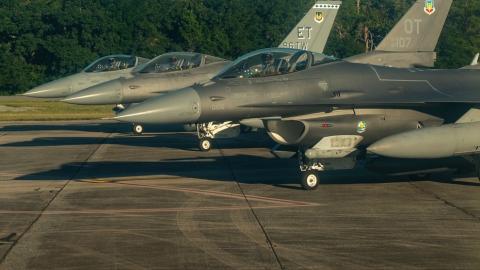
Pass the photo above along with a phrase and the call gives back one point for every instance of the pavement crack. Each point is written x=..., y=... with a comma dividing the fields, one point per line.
x=267, y=237
x=445, y=201
x=75, y=174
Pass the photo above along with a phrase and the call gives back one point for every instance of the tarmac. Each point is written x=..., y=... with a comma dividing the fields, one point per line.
x=89, y=195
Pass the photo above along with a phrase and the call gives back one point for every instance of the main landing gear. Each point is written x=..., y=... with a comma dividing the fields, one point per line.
x=311, y=171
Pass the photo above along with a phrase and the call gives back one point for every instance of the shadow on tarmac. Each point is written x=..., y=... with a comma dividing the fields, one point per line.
x=177, y=140
x=107, y=127
x=247, y=170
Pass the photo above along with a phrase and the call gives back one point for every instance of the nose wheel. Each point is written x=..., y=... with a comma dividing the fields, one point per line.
x=310, y=180
x=205, y=144
x=137, y=129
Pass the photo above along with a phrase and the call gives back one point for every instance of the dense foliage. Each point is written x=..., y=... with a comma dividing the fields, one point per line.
x=44, y=39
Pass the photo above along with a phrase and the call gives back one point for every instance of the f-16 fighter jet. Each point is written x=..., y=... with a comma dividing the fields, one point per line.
x=173, y=71
x=410, y=43
x=104, y=69
x=335, y=112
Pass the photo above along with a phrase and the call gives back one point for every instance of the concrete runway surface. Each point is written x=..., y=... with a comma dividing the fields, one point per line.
x=88, y=195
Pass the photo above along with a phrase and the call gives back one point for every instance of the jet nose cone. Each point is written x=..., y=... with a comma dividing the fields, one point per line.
x=179, y=107
x=101, y=94
x=49, y=90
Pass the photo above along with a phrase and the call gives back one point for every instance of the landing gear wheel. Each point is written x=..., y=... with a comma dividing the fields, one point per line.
x=310, y=180
x=137, y=129
x=205, y=144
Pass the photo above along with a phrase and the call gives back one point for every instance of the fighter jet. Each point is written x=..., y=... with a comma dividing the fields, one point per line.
x=410, y=43
x=104, y=69
x=334, y=111
x=176, y=70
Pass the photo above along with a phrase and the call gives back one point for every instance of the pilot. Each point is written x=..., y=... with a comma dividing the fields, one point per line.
x=174, y=63
x=268, y=65
x=113, y=64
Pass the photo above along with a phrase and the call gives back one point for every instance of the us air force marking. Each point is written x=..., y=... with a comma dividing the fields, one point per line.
x=319, y=17
x=429, y=7
x=361, y=127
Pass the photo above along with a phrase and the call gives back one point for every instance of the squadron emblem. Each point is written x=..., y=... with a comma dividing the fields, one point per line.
x=429, y=7
x=361, y=127
x=319, y=17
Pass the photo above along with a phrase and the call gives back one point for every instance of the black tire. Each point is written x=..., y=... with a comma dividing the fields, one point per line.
x=205, y=144
x=310, y=180
x=137, y=129
x=478, y=173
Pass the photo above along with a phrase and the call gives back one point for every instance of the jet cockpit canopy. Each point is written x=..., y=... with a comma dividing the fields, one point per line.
x=176, y=61
x=272, y=62
x=114, y=63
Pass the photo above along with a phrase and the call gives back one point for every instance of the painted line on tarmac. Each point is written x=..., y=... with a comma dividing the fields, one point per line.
x=271, y=203
x=228, y=195
x=137, y=212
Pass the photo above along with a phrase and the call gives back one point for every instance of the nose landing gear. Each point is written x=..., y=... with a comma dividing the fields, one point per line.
x=207, y=132
x=137, y=129
x=205, y=144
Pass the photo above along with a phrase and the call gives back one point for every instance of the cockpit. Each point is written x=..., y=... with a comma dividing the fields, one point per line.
x=272, y=62
x=178, y=61
x=112, y=63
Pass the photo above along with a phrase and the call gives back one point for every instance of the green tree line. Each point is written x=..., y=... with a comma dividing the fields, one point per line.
x=42, y=40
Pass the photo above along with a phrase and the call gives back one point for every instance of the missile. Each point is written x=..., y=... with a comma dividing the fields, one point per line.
x=433, y=142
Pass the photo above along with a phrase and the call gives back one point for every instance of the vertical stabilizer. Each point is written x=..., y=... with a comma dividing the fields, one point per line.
x=475, y=60
x=312, y=32
x=419, y=29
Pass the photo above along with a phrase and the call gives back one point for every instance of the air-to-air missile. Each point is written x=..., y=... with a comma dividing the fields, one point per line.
x=410, y=43
x=332, y=110
x=104, y=69
x=176, y=70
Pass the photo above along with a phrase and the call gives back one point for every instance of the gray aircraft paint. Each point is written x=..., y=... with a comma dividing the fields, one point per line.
x=145, y=85
x=71, y=84
x=320, y=88
x=311, y=32
x=412, y=41
x=280, y=85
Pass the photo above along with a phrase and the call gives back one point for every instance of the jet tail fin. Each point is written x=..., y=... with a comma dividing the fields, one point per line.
x=475, y=60
x=474, y=64
x=412, y=41
x=312, y=32
x=419, y=29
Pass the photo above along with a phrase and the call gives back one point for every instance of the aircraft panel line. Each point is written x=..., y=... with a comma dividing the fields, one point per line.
x=400, y=80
